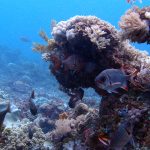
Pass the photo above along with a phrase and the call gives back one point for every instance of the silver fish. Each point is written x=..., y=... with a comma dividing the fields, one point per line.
x=111, y=79
x=33, y=107
x=4, y=109
x=25, y=39
x=122, y=136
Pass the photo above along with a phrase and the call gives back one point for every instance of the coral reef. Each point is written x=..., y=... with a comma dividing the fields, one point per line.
x=135, y=25
x=74, y=73
x=18, y=138
x=90, y=38
x=81, y=48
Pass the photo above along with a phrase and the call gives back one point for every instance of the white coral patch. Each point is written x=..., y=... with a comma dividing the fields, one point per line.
x=147, y=15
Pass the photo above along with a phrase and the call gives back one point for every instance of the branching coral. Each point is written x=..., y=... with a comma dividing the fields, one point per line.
x=42, y=48
x=135, y=25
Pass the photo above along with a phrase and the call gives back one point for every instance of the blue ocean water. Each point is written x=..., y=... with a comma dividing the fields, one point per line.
x=26, y=17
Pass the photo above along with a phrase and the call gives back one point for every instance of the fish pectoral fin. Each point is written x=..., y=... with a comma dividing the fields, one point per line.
x=104, y=141
x=109, y=91
x=115, y=92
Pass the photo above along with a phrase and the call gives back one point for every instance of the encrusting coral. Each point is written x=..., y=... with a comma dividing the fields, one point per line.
x=84, y=47
x=135, y=25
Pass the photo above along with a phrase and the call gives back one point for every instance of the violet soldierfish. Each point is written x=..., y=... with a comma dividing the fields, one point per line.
x=111, y=79
x=122, y=136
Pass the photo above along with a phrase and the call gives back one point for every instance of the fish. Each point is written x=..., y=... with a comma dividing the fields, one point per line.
x=75, y=96
x=25, y=39
x=133, y=1
x=73, y=62
x=122, y=136
x=4, y=109
x=104, y=140
x=112, y=79
x=32, y=106
x=31, y=131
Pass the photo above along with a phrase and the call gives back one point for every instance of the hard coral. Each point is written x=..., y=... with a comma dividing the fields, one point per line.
x=63, y=130
x=18, y=138
x=91, y=39
x=132, y=59
x=80, y=29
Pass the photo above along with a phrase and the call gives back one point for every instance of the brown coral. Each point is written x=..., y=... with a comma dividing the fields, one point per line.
x=99, y=45
x=134, y=26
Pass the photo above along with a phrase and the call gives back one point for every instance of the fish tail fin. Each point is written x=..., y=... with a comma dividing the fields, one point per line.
x=32, y=95
x=125, y=87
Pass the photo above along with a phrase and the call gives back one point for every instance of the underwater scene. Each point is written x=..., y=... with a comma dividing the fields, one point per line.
x=75, y=75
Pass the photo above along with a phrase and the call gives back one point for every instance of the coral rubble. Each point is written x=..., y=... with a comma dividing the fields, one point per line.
x=18, y=138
